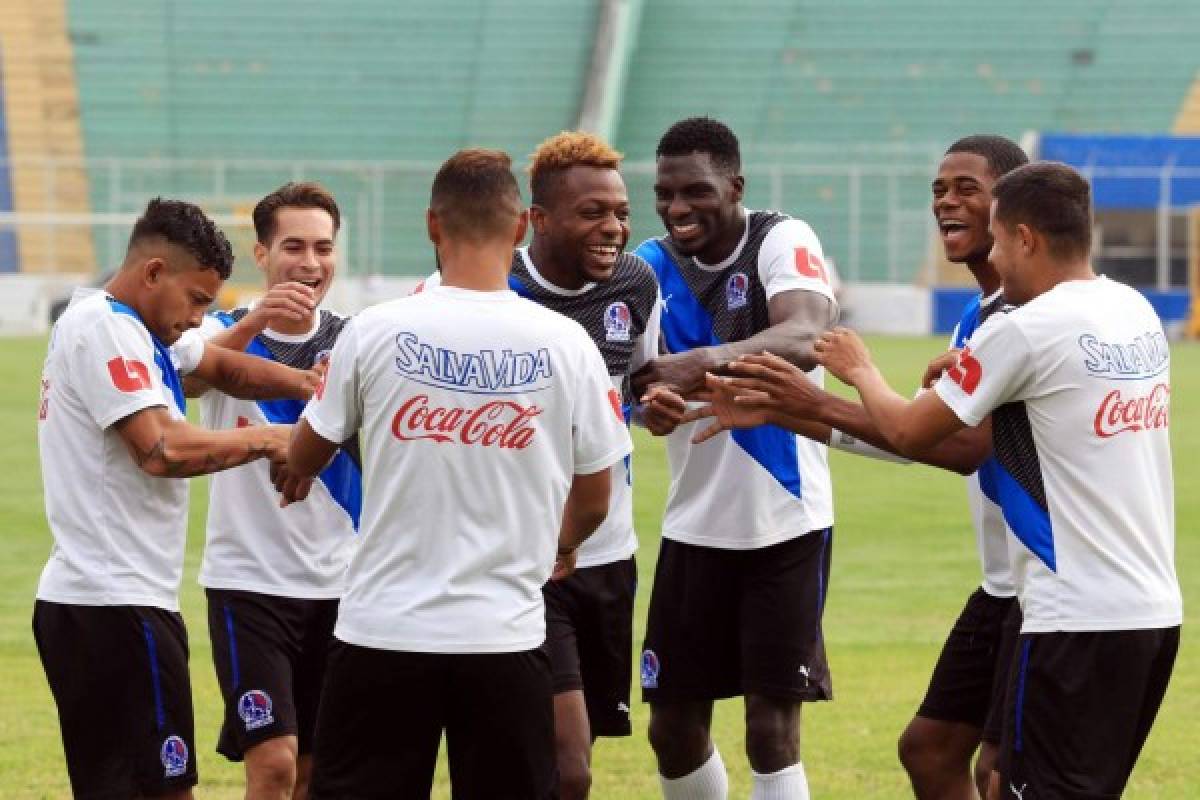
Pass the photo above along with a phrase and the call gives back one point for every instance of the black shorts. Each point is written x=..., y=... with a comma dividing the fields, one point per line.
x=383, y=712
x=729, y=622
x=119, y=675
x=1079, y=708
x=970, y=674
x=270, y=654
x=589, y=641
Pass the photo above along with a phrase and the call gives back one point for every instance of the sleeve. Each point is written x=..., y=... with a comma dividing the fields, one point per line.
x=996, y=366
x=645, y=349
x=335, y=411
x=210, y=326
x=791, y=258
x=600, y=436
x=850, y=444
x=114, y=371
x=188, y=351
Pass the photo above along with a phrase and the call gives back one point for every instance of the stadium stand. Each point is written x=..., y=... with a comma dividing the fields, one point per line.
x=812, y=88
x=41, y=119
x=372, y=80
x=793, y=74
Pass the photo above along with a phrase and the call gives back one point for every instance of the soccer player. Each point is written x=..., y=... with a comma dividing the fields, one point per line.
x=575, y=265
x=963, y=706
x=740, y=585
x=273, y=576
x=1076, y=379
x=482, y=413
x=113, y=443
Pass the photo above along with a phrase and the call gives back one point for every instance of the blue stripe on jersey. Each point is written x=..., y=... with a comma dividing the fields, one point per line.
x=342, y=477
x=515, y=284
x=968, y=323
x=1024, y=516
x=162, y=357
x=1028, y=520
x=686, y=325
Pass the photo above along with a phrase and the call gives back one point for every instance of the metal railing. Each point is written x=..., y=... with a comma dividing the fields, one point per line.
x=873, y=218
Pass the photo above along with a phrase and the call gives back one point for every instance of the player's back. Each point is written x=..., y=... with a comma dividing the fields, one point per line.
x=476, y=409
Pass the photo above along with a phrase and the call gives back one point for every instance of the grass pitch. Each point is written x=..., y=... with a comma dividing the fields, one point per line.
x=904, y=563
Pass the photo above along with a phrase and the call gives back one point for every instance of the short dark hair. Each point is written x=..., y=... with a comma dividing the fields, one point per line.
x=303, y=194
x=1002, y=155
x=475, y=194
x=1052, y=199
x=702, y=135
x=186, y=226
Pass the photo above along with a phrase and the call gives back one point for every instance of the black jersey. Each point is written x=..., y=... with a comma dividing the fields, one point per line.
x=621, y=314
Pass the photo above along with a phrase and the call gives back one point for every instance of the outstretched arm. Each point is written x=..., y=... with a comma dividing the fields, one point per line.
x=252, y=378
x=286, y=302
x=797, y=317
x=766, y=386
x=910, y=427
x=170, y=448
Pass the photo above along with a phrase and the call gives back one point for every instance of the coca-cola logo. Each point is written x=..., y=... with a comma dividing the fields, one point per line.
x=497, y=423
x=1118, y=414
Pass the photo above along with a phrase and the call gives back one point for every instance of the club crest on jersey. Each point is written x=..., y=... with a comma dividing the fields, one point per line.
x=174, y=756
x=737, y=291
x=254, y=707
x=650, y=669
x=618, y=322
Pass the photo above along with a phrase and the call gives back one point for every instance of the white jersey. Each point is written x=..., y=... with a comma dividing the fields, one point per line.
x=1078, y=385
x=119, y=533
x=622, y=316
x=477, y=409
x=251, y=543
x=991, y=532
x=752, y=488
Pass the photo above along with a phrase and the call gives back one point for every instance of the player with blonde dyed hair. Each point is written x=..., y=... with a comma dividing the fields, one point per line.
x=575, y=265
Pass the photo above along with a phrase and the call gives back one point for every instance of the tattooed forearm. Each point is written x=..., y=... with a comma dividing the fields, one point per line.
x=159, y=461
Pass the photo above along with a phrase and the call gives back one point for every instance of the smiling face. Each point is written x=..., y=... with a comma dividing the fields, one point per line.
x=962, y=199
x=586, y=221
x=699, y=204
x=301, y=249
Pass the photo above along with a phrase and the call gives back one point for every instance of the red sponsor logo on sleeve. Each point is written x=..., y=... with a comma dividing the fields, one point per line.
x=614, y=400
x=1119, y=414
x=497, y=423
x=967, y=372
x=129, y=375
x=809, y=265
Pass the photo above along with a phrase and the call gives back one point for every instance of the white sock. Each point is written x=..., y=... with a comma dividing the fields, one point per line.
x=706, y=782
x=789, y=783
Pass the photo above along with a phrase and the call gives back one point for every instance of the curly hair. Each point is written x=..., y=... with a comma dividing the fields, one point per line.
x=185, y=225
x=702, y=135
x=305, y=194
x=553, y=157
x=1002, y=155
